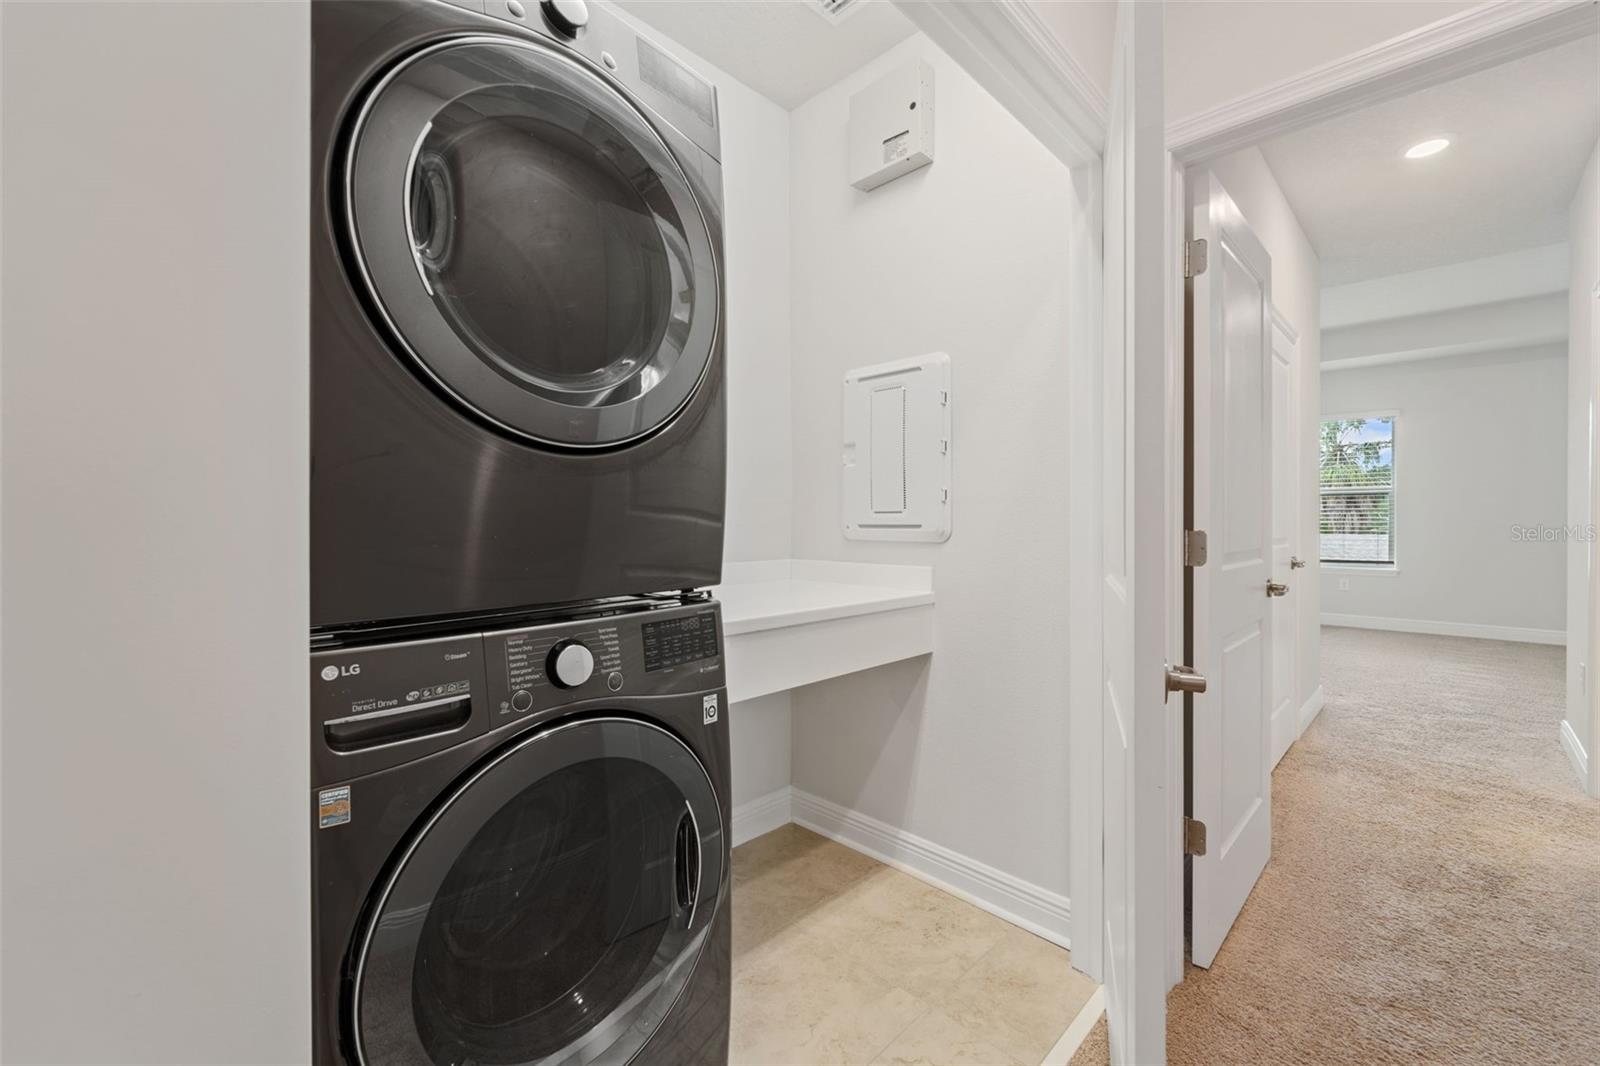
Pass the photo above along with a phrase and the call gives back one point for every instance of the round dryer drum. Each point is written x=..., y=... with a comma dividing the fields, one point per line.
x=532, y=242
x=551, y=911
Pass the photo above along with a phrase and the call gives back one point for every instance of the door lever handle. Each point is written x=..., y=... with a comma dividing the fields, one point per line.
x=1296, y=563
x=1277, y=588
x=1185, y=679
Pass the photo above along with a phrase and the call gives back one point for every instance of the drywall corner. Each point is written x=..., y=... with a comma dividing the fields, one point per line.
x=1582, y=717
x=955, y=749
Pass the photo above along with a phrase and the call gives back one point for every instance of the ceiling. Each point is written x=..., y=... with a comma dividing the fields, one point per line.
x=1520, y=135
x=779, y=48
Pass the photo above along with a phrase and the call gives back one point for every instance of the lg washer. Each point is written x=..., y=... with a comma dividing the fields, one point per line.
x=520, y=844
x=516, y=315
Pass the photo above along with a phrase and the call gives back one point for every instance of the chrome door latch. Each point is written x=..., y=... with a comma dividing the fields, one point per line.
x=1277, y=588
x=1184, y=679
x=1296, y=563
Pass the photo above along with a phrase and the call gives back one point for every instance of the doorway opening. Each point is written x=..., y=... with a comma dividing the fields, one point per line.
x=1421, y=343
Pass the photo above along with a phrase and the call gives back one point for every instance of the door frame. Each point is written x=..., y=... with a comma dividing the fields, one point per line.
x=1281, y=326
x=1008, y=49
x=1468, y=41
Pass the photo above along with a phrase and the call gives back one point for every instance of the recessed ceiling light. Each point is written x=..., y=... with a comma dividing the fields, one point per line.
x=1427, y=148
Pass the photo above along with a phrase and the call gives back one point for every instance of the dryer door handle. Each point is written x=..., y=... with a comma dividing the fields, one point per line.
x=686, y=876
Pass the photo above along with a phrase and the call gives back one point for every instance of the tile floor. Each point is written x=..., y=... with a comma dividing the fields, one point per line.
x=838, y=958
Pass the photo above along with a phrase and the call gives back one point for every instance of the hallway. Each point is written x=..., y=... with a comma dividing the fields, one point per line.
x=1434, y=888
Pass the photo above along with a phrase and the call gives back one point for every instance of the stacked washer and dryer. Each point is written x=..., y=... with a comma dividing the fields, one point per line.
x=519, y=752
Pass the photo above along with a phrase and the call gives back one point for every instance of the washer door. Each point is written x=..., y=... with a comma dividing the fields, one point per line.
x=532, y=242
x=551, y=911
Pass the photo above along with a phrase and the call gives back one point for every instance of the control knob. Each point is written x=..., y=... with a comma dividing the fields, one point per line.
x=570, y=664
x=567, y=16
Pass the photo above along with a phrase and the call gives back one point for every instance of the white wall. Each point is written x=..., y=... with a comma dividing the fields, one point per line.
x=1480, y=447
x=1296, y=294
x=755, y=161
x=1583, y=338
x=755, y=177
x=967, y=749
x=155, y=781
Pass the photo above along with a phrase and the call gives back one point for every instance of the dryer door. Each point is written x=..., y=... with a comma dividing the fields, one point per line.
x=550, y=911
x=532, y=242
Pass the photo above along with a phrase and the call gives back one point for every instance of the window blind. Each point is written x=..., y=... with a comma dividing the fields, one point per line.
x=1357, y=481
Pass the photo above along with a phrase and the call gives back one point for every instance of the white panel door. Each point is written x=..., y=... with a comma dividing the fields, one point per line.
x=1138, y=834
x=1285, y=501
x=1231, y=773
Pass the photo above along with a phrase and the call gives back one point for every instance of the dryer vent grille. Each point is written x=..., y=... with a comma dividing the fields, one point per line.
x=835, y=11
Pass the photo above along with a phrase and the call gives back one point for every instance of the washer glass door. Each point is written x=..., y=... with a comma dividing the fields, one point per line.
x=532, y=242
x=550, y=911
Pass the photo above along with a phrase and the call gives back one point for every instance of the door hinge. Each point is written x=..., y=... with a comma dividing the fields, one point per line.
x=1194, y=837
x=1194, y=258
x=1194, y=547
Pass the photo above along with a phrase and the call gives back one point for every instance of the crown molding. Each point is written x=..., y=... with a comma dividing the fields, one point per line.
x=1004, y=45
x=1061, y=61
x=1459, y=44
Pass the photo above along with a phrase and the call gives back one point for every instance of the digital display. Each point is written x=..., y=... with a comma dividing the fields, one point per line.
x=676, y=641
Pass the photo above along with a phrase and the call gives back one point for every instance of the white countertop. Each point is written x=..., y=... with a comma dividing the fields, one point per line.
x=791, y=592
x=793, y=622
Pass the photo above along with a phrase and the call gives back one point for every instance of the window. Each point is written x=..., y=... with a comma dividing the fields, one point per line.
x=1357, y=521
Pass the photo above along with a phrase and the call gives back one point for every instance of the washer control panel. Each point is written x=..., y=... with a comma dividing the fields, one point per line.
x=674, y=642
x=645, y=653
x=381, y=705
x=570, y=663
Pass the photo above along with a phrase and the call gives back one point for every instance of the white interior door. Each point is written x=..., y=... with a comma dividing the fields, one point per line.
x=1231, y=772
x=1285, y=464
x=1138, y=835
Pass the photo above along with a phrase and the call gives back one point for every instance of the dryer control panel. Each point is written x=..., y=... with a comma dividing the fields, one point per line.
x=385, y=704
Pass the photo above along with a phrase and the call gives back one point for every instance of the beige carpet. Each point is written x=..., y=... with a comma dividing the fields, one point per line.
x=1434, y=889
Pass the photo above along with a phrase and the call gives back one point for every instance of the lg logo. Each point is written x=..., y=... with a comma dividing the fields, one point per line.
x=334, y=673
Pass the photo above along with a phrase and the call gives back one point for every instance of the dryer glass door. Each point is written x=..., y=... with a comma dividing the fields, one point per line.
x=550, y=911
x=532, y=241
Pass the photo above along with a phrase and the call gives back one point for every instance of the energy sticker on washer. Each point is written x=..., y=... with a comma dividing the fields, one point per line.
x=333, y=806
x=709, y=706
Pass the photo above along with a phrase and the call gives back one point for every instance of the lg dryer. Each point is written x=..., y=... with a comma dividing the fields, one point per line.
x=517, y=344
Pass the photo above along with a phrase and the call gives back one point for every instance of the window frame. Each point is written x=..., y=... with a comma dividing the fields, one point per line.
x=1354, y=566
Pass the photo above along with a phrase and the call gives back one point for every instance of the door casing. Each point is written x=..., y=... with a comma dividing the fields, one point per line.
x=1007, y=48
x=1286, y=522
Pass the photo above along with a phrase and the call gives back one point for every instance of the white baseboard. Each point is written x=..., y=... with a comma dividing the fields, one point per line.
x=1447, y=629
x=1284, y=729
x=1575, y=753
x=1309, y=710
x=762, y=815
x=1038, y=910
